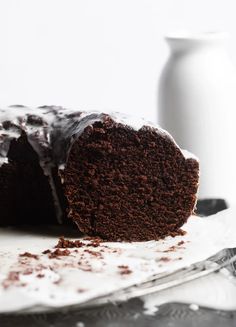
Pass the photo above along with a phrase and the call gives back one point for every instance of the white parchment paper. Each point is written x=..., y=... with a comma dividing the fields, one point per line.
x=88, y=272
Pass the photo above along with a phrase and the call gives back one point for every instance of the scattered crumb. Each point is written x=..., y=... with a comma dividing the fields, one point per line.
x=94, y=253
x=59, y=253
x=94, y=244
x=57, y=281
x=165, y=259
x=40, y=275
x=170, y=249
x=63, y=243
x=124, y=270
x=179, y=232
x=22, y=261
x=29, y=255
x=12, y=277
x=27, y=271
x=182, y=232
x=41, y=267
x=123, y=267
x=175, y=247
x=46, y=251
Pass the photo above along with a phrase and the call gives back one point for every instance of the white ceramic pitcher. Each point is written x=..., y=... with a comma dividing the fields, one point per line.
x=197, y=105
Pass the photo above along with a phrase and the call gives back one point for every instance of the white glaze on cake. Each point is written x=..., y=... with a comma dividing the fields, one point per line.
x=66, y=121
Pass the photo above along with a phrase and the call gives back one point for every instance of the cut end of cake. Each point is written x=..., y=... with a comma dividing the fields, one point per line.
x=128, y=185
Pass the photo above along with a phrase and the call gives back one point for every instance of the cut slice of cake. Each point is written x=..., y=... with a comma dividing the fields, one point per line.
x=129, y=184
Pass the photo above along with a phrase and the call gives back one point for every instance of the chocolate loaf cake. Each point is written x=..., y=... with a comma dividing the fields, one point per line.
x=115, y=177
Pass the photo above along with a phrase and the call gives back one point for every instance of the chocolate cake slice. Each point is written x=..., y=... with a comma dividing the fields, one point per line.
x=127, y=184
x=115, y=177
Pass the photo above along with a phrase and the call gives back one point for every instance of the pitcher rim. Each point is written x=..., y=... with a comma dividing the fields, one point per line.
x=196, y=36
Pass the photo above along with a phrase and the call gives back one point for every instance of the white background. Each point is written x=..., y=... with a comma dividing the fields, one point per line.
x=96, y=54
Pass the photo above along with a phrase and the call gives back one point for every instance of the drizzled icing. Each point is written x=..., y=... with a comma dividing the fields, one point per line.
x=51, y=130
